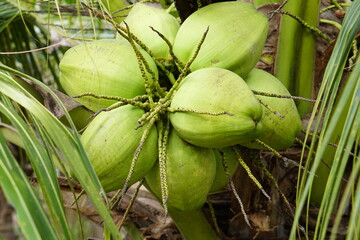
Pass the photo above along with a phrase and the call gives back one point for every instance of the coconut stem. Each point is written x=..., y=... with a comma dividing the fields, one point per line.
x=176, y=60
x=143, y=66
x=136, y=155
x=136, y=101
x=213, y=217
x=224, y=163
x=277, y=154
x=282, y=96
x=132, y=201
x=163, y=104
x=276, y=185
x=162, y=145
x=270, y=109
x=193, y=225
x=122, y=99
x=232, y=186
x=181, y=109
x=168, y=73
x=233, y=189
x=334, y=6
x=315, y=30
x=186, y=68
x=248, y=170
x=197, y=50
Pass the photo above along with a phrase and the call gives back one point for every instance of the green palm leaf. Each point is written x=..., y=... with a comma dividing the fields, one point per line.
x=7, y=13
x=66, y=141
x=44, y=169
x=22, y=34
x=325, y=107
x=31, y=216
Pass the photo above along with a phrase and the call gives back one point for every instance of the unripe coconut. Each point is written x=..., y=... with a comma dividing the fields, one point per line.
x=110, y=142
x=221, y=179
x=190, y=173
x=279, y=133
x=142, y=17
x=216, y=90
x=103, y=67
x=236, y=37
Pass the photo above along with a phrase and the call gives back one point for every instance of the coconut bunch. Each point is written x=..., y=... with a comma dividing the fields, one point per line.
x=171, y=101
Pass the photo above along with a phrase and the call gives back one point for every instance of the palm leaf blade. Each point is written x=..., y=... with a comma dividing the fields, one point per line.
x=325, y=103
x=7, y=13
x=31, y=217
x=44, y=170
x=67, y=142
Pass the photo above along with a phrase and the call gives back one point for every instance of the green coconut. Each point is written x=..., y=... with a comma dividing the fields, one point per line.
x=190, y=174
x=110, y=142
x=236, y=37
x=142, y=17
x=214, y=91
x=221, y=179
x=103, y=67
x=279, y=133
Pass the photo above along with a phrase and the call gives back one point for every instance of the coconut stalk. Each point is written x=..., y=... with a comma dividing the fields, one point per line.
x=304, y=72
x=295, y=58
x=193, y=225
x=288, y=45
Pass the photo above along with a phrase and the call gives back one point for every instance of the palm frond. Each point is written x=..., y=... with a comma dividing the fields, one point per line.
x=67, y=142
x=22, y=35
x=329, y=116
x=33, y=221
x=44, y=170
x=7, y=13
